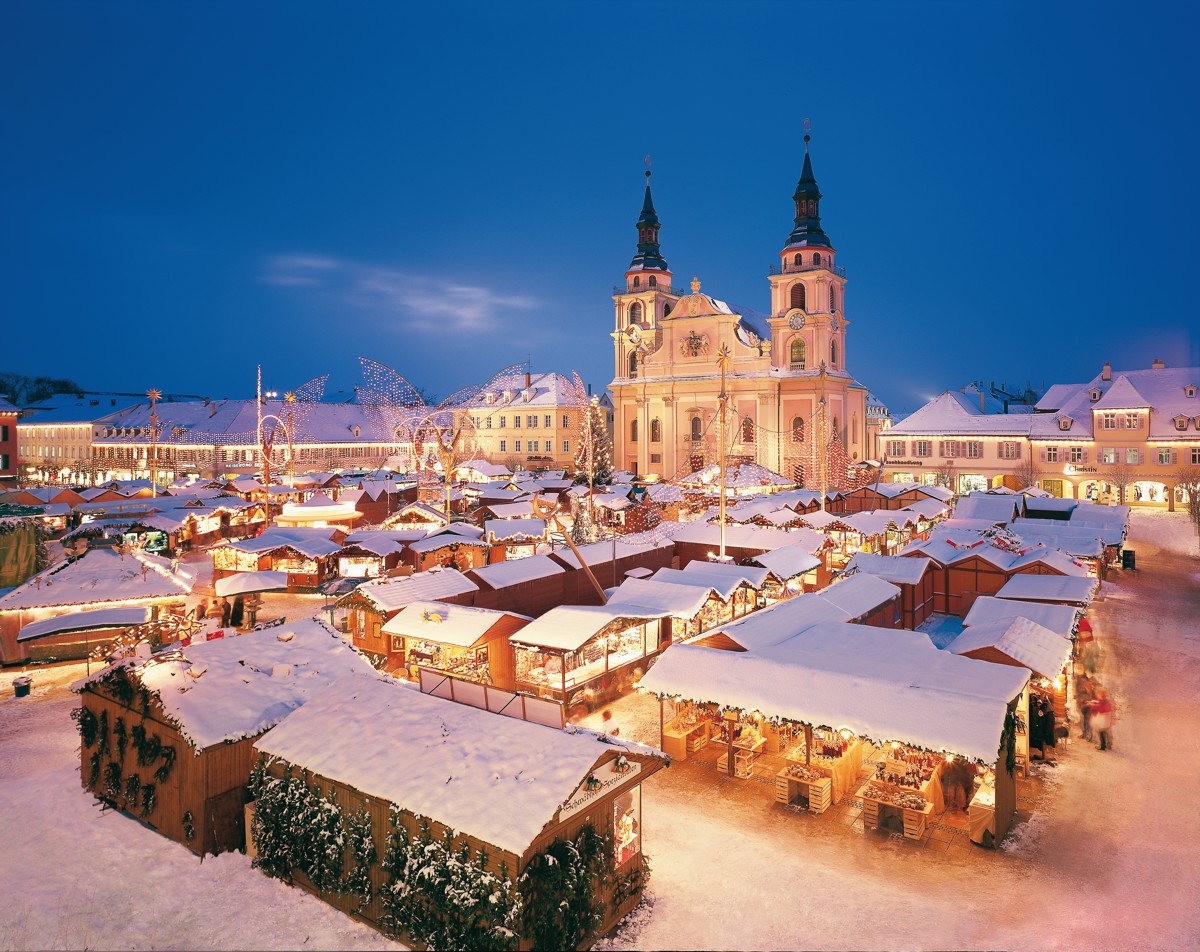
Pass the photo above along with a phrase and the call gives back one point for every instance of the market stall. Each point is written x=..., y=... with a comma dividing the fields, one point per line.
x=471, y=643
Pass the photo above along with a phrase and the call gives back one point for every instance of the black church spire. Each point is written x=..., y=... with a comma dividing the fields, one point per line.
x=808, y=208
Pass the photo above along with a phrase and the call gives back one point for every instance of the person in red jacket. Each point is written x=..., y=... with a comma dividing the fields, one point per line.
x=1104, y=712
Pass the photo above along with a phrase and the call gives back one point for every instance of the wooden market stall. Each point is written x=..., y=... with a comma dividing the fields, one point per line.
x=167, y=739
x=866, y=599
x=308, y=555
x=880, y=686
x=792, y=570
x=914, y=578
x=459, y=545
x=508, y=791
x=586, y=655
x=471, y=643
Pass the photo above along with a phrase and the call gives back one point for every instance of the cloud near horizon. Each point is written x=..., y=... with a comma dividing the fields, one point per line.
x=422, y=304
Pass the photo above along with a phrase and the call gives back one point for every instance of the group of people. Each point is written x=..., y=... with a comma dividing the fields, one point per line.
x=1098, y=710
x=222, y=611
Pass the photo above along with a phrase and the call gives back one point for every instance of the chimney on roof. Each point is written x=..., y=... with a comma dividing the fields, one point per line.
x=1106, y=373
x=1158, y=364
x=528, y=379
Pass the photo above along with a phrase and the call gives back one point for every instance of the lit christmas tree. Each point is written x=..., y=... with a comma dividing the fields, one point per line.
x=593, y=458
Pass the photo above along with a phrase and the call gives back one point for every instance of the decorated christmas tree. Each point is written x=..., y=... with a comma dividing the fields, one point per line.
x=593, y=458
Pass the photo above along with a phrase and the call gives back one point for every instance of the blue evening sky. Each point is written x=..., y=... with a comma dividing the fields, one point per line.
x=192, y=189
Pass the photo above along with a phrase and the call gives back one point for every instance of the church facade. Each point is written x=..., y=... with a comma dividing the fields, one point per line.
x=786, y=380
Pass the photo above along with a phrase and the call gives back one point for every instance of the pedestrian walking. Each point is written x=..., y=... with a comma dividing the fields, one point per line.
x=226, y=611
x=239, y=609
x=1104, y=712
x=1085, y=694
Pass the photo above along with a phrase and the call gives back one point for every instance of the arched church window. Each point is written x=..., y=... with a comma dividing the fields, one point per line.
x=854, y=428
x=666, y=308
x=633, y=364
x=798, y=354
x=797, y=295
x=633, y=431
x=697, y=432
x=652, y=281
x=635, y=312
x=747, y=430
x=656, y=430
x=833, y=353
x=817, y=258
x=637, y=281
x=832, y=298
x=798, y=429
x=836, y=434
x=798, y=260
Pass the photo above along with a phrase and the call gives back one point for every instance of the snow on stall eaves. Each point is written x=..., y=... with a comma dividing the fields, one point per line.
x=101, y=575
x=1036, y=647
x=493, y=777
x=227, y=689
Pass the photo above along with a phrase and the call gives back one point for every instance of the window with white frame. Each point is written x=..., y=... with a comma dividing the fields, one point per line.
x=973, y=449
x=503, y=422
x=566, y=421
x=549, y=446
x=1108, y=455
x=895, y=448
x=1133, y=421
x=566, y=446
x=1108, y=421
x=517, y=446
x=531, y=421
x=489, y=424
x=516, y=423
x=1164, y=456
x=1010, y=449
x=1051, y=454
x=1077, y=454
x=1195, y=455
x=504, y=446
x=548, y=421
x=922, y=448
x=950, y=448
x=1133, y=456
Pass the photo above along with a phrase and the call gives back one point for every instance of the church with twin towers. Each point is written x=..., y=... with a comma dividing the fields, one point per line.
x=787, y=374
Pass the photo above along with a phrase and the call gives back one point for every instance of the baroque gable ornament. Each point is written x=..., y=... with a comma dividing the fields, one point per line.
x=694, y=345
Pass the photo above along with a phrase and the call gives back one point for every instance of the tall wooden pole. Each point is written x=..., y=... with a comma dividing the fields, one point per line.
x=821, y=448
x=723, y=361
x=154, y=396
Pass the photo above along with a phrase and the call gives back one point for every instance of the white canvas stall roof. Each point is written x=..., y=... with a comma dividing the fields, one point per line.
x=569, y=627
x=600, y=553
x=243, y=583
x=511, y=510
x=859, y=594
x=722, y=587
x=897, y=569
x=1113, y=532
x=1053, y=558
x=1060, y=619
x=310, y=542
x=101, y=575
x=508, y=530
x=1049, y=588
x=83, y=621
x=458, y=528
x=458, y=625
x=503, y=574
x=788, y=562
x=881, y=683
x=637, y=595
x=498, y=779
x=391, y=594
x=779, y=622
x=1025, y=641
x=239, y=687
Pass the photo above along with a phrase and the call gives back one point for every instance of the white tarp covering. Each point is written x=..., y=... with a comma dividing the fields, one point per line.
x=245, y=582
x=881, y=683
x=1049, y=588
x=83, y=621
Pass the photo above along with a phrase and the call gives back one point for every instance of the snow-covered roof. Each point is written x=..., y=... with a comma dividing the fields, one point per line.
x=1025, y=641
x=458, y=625
x=495, y=778
x=614, y=502
x=1122, y=395
x=638, y=595
x=1060, y=619
x=601, y=553
x=230, y=688
x=511, y=510
x=382, y=541
x=569, y=627
x=952, y=413
x=515, y=530
x=883, y=684
x=897, y=569
x=859, y=594
x=241, y=583
x=925, y=508
x=788, y=561
x=777, y=623
x=737, y=476
x=1049, y=588
x=994, y=508
x=102, y=575
x=722, y=582
x=750, y=537
x=391, y=594
x=516, y=571
x=82, y=621
x=311, y=542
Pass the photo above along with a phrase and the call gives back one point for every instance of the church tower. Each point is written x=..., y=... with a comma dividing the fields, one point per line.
x=808, y=326
x=647, y=296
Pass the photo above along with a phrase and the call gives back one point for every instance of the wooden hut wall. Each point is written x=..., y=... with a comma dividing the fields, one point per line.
x=1036, y=568
x=916, y=601
x=1006, y=799
x=534, y=598
x=973, y=575
x=886, y=615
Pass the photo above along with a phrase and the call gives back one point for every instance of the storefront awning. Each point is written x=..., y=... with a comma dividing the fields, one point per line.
x=83, y=621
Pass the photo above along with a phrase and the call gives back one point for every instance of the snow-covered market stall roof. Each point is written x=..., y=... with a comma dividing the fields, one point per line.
x=777, y=623
x=243, y=583
x=1050, y=588
x=515, y=530
x=459, y=625
x=497, y=779
x=569, y=627
x=1060, y=619
x=601, y=553
x=102, y=575
x=883, y=684
x=788, y=562
x=309, y=542
x=516, y=571
x=83, y=621
x=636, y=595
x=750, y=537
x=231, y=688
x=715, y=577
x=391, y=594
x=1025, y=641
x=897, y=569
x=859, y=594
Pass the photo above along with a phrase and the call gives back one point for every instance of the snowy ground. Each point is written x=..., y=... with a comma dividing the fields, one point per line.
x=1104, y=859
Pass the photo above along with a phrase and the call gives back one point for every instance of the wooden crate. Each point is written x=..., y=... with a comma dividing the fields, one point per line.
x=783, y=788
x=697, y=739
x=820, y=794
x=870, y=814
x=914, y=823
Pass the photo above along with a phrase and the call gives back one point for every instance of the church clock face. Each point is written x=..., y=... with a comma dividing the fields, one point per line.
x=796, y=322
x=834, y=323
x=635, y=333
